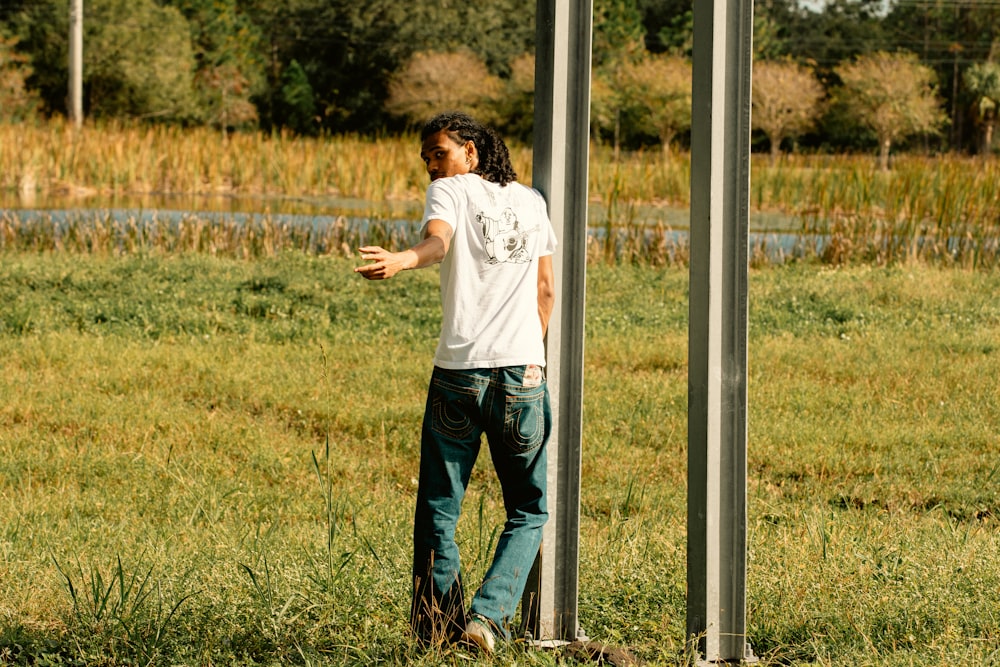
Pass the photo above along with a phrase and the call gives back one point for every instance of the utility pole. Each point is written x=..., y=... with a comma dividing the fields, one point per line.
x=76, y=62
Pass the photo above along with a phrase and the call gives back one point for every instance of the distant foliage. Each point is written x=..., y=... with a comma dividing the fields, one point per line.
x=351, y=50
x=228, y=68
x=297, y=100
x=431, y=82
x=618, y=32
x=225, y=96
x=519, y=101
x=893, y=95
x=17, y=101
x=138, y=61
x=787, y=100
x=983, y=81
x=679, y=36
x=606, y=104
x=336, y=66
x=657, y=93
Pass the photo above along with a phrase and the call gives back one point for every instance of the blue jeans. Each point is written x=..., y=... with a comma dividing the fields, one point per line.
x=517, y=421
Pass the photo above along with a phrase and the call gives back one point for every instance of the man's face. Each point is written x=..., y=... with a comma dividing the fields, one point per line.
x=445, y=157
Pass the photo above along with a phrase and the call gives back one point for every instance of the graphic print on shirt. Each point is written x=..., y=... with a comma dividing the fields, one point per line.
x=505, y=240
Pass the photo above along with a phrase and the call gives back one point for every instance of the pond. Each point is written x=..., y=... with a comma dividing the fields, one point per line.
x=772, y=234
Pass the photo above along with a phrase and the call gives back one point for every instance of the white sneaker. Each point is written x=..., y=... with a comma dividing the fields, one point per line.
x=478, y=632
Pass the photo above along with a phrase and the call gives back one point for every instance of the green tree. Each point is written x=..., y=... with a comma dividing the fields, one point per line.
x=230, y=68
x=893, y=95
x=42, y=28
x=606, y=102
x=618, y=32
x=678, y=37
x=667, y=25
x=298, y=104
x=349, y=50
x=949, y=37
x=16, y=100
x=618, y=44
x=657, y=90
x=843, y=30
x=518, y=103
x=786, y=99
x=983, y=81
x=768, y=35
x=431, y=82
x=137, y=60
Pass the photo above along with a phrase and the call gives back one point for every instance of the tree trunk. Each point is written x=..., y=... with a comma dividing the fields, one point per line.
x=666, y=139
x=618, y=133
x=883, y=157
x=987, y=146
x=775, y=149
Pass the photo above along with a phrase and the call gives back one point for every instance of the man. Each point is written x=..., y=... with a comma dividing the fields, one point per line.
x=494, y=241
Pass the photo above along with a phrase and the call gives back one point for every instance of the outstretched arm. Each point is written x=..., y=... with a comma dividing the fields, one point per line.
x=385, y=264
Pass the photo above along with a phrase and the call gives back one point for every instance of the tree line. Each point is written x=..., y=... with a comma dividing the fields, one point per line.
x=849, y=75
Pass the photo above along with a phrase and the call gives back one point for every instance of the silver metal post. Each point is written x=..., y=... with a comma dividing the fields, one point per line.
x=717, y=371
x=560, y=168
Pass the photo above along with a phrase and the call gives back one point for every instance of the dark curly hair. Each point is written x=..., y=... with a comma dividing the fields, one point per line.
x=494, y=158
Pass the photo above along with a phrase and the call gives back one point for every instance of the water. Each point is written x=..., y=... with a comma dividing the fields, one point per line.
x=769, y=233
x=214, y=205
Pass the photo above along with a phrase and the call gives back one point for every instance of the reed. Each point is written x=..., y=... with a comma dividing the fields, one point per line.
x=942, y=209
x=248, y=237
x=116, y=159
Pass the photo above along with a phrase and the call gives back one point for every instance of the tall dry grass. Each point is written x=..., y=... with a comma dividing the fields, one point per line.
x=942, y=209
x=115, y=159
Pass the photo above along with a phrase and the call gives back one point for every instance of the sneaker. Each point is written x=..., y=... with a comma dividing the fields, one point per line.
x=478, y=632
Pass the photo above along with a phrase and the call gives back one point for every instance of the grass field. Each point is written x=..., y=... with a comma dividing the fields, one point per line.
x=211, y=461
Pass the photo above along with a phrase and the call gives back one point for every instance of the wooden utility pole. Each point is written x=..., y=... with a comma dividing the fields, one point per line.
x=76, y=62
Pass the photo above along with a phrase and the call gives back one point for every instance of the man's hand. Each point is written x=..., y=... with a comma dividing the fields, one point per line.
x=384, y=264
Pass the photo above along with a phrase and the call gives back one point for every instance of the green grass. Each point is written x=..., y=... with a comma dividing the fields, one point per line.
x=207, y=460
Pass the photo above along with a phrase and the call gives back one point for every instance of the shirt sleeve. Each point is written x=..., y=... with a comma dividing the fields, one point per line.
x=440, y=204
x=550, y=242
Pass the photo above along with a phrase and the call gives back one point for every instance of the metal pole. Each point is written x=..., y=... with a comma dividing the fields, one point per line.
x=76, y=62
x=717, y=369
x=560, y=167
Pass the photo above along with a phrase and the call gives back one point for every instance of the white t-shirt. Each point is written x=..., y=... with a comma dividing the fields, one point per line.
x=489, y=277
